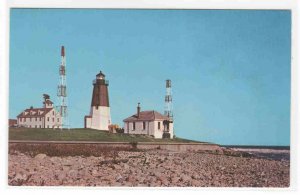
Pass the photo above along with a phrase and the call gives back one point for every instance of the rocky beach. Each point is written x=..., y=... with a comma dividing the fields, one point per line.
x=152, y=168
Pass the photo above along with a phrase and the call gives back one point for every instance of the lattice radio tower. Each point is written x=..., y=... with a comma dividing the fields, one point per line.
x=168, y=100
x=62, y=92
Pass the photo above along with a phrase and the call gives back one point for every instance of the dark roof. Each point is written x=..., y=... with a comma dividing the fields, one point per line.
x=36, y=114
x=146, y=116
x=100, y=74
x=48, y=101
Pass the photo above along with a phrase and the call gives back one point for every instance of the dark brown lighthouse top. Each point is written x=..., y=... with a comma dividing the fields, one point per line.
x=100, y=91
x=100, y=74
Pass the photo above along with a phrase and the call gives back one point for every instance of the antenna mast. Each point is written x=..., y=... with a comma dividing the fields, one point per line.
x=62, y=92
x=168, y=100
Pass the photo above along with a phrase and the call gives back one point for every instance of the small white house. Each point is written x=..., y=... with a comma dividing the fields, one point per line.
x=46, y=117
x=148, y=123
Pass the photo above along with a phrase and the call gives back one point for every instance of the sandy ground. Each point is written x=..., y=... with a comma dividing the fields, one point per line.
x=148, y=168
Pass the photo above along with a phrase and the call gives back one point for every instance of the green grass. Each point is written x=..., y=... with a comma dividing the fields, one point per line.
x=81, y=135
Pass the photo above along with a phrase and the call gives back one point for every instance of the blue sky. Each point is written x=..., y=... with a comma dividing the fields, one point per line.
x=230, y=69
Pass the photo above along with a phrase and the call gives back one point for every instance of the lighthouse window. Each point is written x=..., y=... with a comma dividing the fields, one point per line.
x=48, y=119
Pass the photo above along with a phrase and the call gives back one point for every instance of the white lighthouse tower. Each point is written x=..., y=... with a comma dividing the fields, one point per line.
x=99, y=117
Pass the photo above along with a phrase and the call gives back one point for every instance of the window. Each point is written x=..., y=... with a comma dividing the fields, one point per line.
x=158, y=125
x=35, y=119
x=57, y=119
x=144, y=125
x=133, y=126
x=41, y=119
x=47, y=118
x=30, y=119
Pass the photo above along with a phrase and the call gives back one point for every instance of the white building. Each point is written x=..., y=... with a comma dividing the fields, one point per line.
x=99, y=117
x=148, y=123
x=45, y=117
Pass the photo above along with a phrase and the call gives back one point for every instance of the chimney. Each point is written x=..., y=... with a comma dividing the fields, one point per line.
x=138, y=110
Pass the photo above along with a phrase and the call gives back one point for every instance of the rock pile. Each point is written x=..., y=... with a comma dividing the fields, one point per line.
x=151, y=168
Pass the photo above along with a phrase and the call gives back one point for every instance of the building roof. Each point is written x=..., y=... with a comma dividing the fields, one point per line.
x=146, y=116
x=48, y=101
x=100, y=74
x=34, y=112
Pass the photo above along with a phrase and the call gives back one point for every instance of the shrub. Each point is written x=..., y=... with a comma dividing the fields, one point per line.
x=120, y=130
x=134, y=144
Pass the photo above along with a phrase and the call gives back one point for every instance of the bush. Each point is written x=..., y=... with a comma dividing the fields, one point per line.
x=134, y=144
x=120, y=130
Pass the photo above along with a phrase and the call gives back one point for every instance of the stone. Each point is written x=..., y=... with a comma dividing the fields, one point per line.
x=130, y=178
x=40, y=156
x=72, y=173
x=61, y=176
x=164, y=180
x=195, y=183
x=20, y=177
x=126, y=166
x=185, y=178
x=157, y=174
x=119, y=178
x=117, y=167
x=94, y=172
x=175, y=180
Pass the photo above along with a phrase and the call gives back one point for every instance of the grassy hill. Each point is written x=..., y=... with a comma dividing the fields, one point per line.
x=81, y=135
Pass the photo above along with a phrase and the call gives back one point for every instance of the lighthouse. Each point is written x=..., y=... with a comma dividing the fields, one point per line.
x=99, y=117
